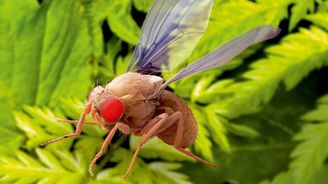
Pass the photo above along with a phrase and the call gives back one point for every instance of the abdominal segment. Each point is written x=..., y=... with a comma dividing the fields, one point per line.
x=171, y=103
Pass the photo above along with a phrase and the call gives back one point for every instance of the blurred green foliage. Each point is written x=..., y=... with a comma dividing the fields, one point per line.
x=263, y=118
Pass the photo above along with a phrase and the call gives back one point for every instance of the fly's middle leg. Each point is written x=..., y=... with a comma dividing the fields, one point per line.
x=118, y=126
x=151, y=129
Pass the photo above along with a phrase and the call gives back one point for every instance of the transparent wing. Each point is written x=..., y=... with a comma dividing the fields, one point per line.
x=170, y=33
x=229, y=50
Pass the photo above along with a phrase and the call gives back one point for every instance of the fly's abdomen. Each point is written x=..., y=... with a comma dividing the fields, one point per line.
x=170, y=101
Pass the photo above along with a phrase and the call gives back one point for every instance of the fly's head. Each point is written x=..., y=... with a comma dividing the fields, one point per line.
x=110, y=107
x=95, y=95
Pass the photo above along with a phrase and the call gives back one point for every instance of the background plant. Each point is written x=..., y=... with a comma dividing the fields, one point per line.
x=262, y=118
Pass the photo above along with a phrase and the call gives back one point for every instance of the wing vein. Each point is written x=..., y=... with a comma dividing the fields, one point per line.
x=167, y=34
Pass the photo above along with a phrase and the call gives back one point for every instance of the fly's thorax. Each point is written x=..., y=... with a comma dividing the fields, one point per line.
x=134, y=84
x=134, y=89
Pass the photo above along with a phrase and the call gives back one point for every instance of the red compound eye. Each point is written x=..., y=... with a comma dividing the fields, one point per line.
x=112, y=109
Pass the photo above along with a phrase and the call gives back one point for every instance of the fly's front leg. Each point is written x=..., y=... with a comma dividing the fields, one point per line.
x=78, y=129
x=94, y=113
x=118, y=126
x=153, y=126
x=74, y=121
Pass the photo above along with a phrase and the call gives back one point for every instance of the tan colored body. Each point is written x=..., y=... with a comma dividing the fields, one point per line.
x=134, y=90
x=149, y=111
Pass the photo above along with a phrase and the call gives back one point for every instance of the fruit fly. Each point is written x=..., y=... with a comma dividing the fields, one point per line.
x=137, y=102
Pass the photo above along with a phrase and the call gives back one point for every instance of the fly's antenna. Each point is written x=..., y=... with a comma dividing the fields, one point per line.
x=96, y=83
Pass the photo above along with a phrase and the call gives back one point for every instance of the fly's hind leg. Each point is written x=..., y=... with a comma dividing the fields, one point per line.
x=159, y=124
x=177, y=118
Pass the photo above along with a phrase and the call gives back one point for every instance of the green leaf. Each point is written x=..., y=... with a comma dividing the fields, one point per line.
x=41, y=125
x=156, y=172
x=94, y=21
x=108, y=64
x=203, y=144
x=284, y=63
x=66, y=52
x=56, y=38
x=156, y=148
x=323, y=7
x=50, y=169
x=320, y=177
x=39, y=45
x=200, y=87
x=209, y=93
x=8, y=131
x=267, y=154
x=89, y=145
x=9, y=141
x=122, y=23
x=282, y=178
x=320, y=19
x=11, y=14
x=299, y=11
x=114, y=64
x=164, y=173
x=139, y=174
x=106, y=177
x=216, y=128
x=121, y=64
x=310, y=154
x=319, y=114
x=313, y=54
x=6, y=105
x=25, y=37
x=235, y=166
x=240, y=130
x=143, y=5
